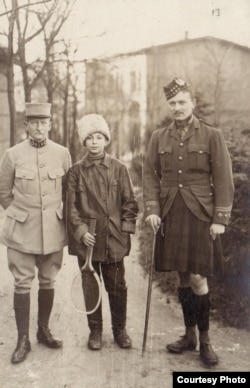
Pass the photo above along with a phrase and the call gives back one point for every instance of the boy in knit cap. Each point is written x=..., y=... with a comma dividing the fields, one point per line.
x=100, y=186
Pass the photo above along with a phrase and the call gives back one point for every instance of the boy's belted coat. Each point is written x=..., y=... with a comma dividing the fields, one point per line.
x=31, y=193
x=111, y=201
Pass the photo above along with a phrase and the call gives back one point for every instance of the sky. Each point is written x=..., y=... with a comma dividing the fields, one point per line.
x=101, y=28
x=106, y=27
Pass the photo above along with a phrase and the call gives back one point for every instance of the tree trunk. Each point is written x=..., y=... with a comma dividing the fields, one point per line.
x=10, y=76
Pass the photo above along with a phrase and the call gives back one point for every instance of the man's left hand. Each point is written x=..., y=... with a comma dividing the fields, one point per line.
x=216, y=229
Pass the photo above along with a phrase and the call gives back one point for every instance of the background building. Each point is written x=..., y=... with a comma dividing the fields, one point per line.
x=127, y=89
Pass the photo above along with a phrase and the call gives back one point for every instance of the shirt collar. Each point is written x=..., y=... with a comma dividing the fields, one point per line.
x=194, y=124
x=185, y=124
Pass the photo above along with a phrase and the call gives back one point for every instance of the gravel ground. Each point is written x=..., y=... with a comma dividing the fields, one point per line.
x=75, y=366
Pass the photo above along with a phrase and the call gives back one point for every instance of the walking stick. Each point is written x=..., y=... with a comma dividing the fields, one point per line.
x=150, y=280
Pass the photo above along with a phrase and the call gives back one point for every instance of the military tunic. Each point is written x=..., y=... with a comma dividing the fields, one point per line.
x=194, y=172
x=31, y=193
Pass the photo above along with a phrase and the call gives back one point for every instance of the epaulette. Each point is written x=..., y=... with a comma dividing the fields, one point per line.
x=210, y=125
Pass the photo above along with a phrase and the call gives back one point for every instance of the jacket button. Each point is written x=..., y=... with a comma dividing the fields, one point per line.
x=181, y=144
x=180, y=158
x=180, y=172
x=180, y=185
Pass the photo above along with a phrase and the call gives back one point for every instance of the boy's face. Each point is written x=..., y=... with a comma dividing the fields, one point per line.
x=95, y=143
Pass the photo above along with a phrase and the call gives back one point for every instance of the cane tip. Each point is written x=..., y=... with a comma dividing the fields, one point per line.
x=144, y=373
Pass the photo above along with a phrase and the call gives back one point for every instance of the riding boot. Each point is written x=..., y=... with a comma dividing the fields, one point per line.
x=45, y=304
x=188, y=304
x=22, y=315
x=207, y=354
x=118, y=308
x=95, y=325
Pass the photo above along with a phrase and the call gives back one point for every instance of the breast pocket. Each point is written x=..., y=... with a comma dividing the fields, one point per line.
x=198, y=157
x=25, y=181
x=166, y=156
x=55, y=180
x=115, y=185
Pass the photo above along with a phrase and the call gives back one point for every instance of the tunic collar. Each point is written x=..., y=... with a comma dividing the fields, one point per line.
x=37, y=144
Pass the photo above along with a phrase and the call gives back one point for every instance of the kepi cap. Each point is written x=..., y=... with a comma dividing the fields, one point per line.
x=38, y=109
x=174, y=87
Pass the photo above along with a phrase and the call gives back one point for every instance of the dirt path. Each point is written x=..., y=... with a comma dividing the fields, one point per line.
x=75, y=366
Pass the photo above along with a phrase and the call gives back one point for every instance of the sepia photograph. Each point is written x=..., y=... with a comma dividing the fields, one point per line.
x=124, y=193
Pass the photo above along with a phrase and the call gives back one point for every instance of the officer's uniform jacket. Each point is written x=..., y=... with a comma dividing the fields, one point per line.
x=31, y=193
x=198, y=167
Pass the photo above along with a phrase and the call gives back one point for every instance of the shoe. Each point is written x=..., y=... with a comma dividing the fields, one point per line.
x=207, y=354
x=22, y=349
x=122, y=339
x=95, y=339
x=183, y=344
x=45, y=337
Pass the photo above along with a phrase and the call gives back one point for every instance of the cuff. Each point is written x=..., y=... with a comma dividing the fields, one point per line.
x=128, y=227
x=221, y=215
x=152, y=207
x=80, y=231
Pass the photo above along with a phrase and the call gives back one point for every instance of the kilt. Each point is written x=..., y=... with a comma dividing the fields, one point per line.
x=184, y=244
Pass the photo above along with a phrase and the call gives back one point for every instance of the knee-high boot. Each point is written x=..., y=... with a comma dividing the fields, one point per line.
x=207, y=353
x=95, y=326
x=45, y=304
x=188, y=303
x=94, y=319
x=118, y=308
x=22, y=315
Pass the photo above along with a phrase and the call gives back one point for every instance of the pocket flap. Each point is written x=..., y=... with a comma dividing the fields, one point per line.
x=202, y=191
x=199, y=148
x=58, y=173
x=25, y=174
x=16, y=214
x=165, y=149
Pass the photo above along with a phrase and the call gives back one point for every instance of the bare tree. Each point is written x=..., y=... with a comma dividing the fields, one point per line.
x=50, y=23
x=10, y=73
x=23, y=24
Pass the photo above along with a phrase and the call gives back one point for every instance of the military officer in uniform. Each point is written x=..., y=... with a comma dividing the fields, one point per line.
x=31, y=176
x=188, y=193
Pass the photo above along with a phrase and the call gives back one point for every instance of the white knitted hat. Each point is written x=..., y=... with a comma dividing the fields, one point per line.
x=90, y=124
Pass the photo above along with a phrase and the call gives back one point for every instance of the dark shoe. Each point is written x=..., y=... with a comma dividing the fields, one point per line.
x=45, y=337
x=207, y=354
x=22, y=349
x=95, y=339
x=181, y=345
x=122, y=339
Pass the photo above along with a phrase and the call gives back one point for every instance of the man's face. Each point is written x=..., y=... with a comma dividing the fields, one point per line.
x=181, y=105
x=38, y=127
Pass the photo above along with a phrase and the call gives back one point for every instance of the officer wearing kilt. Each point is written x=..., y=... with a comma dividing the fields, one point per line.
x=188, y=193
x=31, y=175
